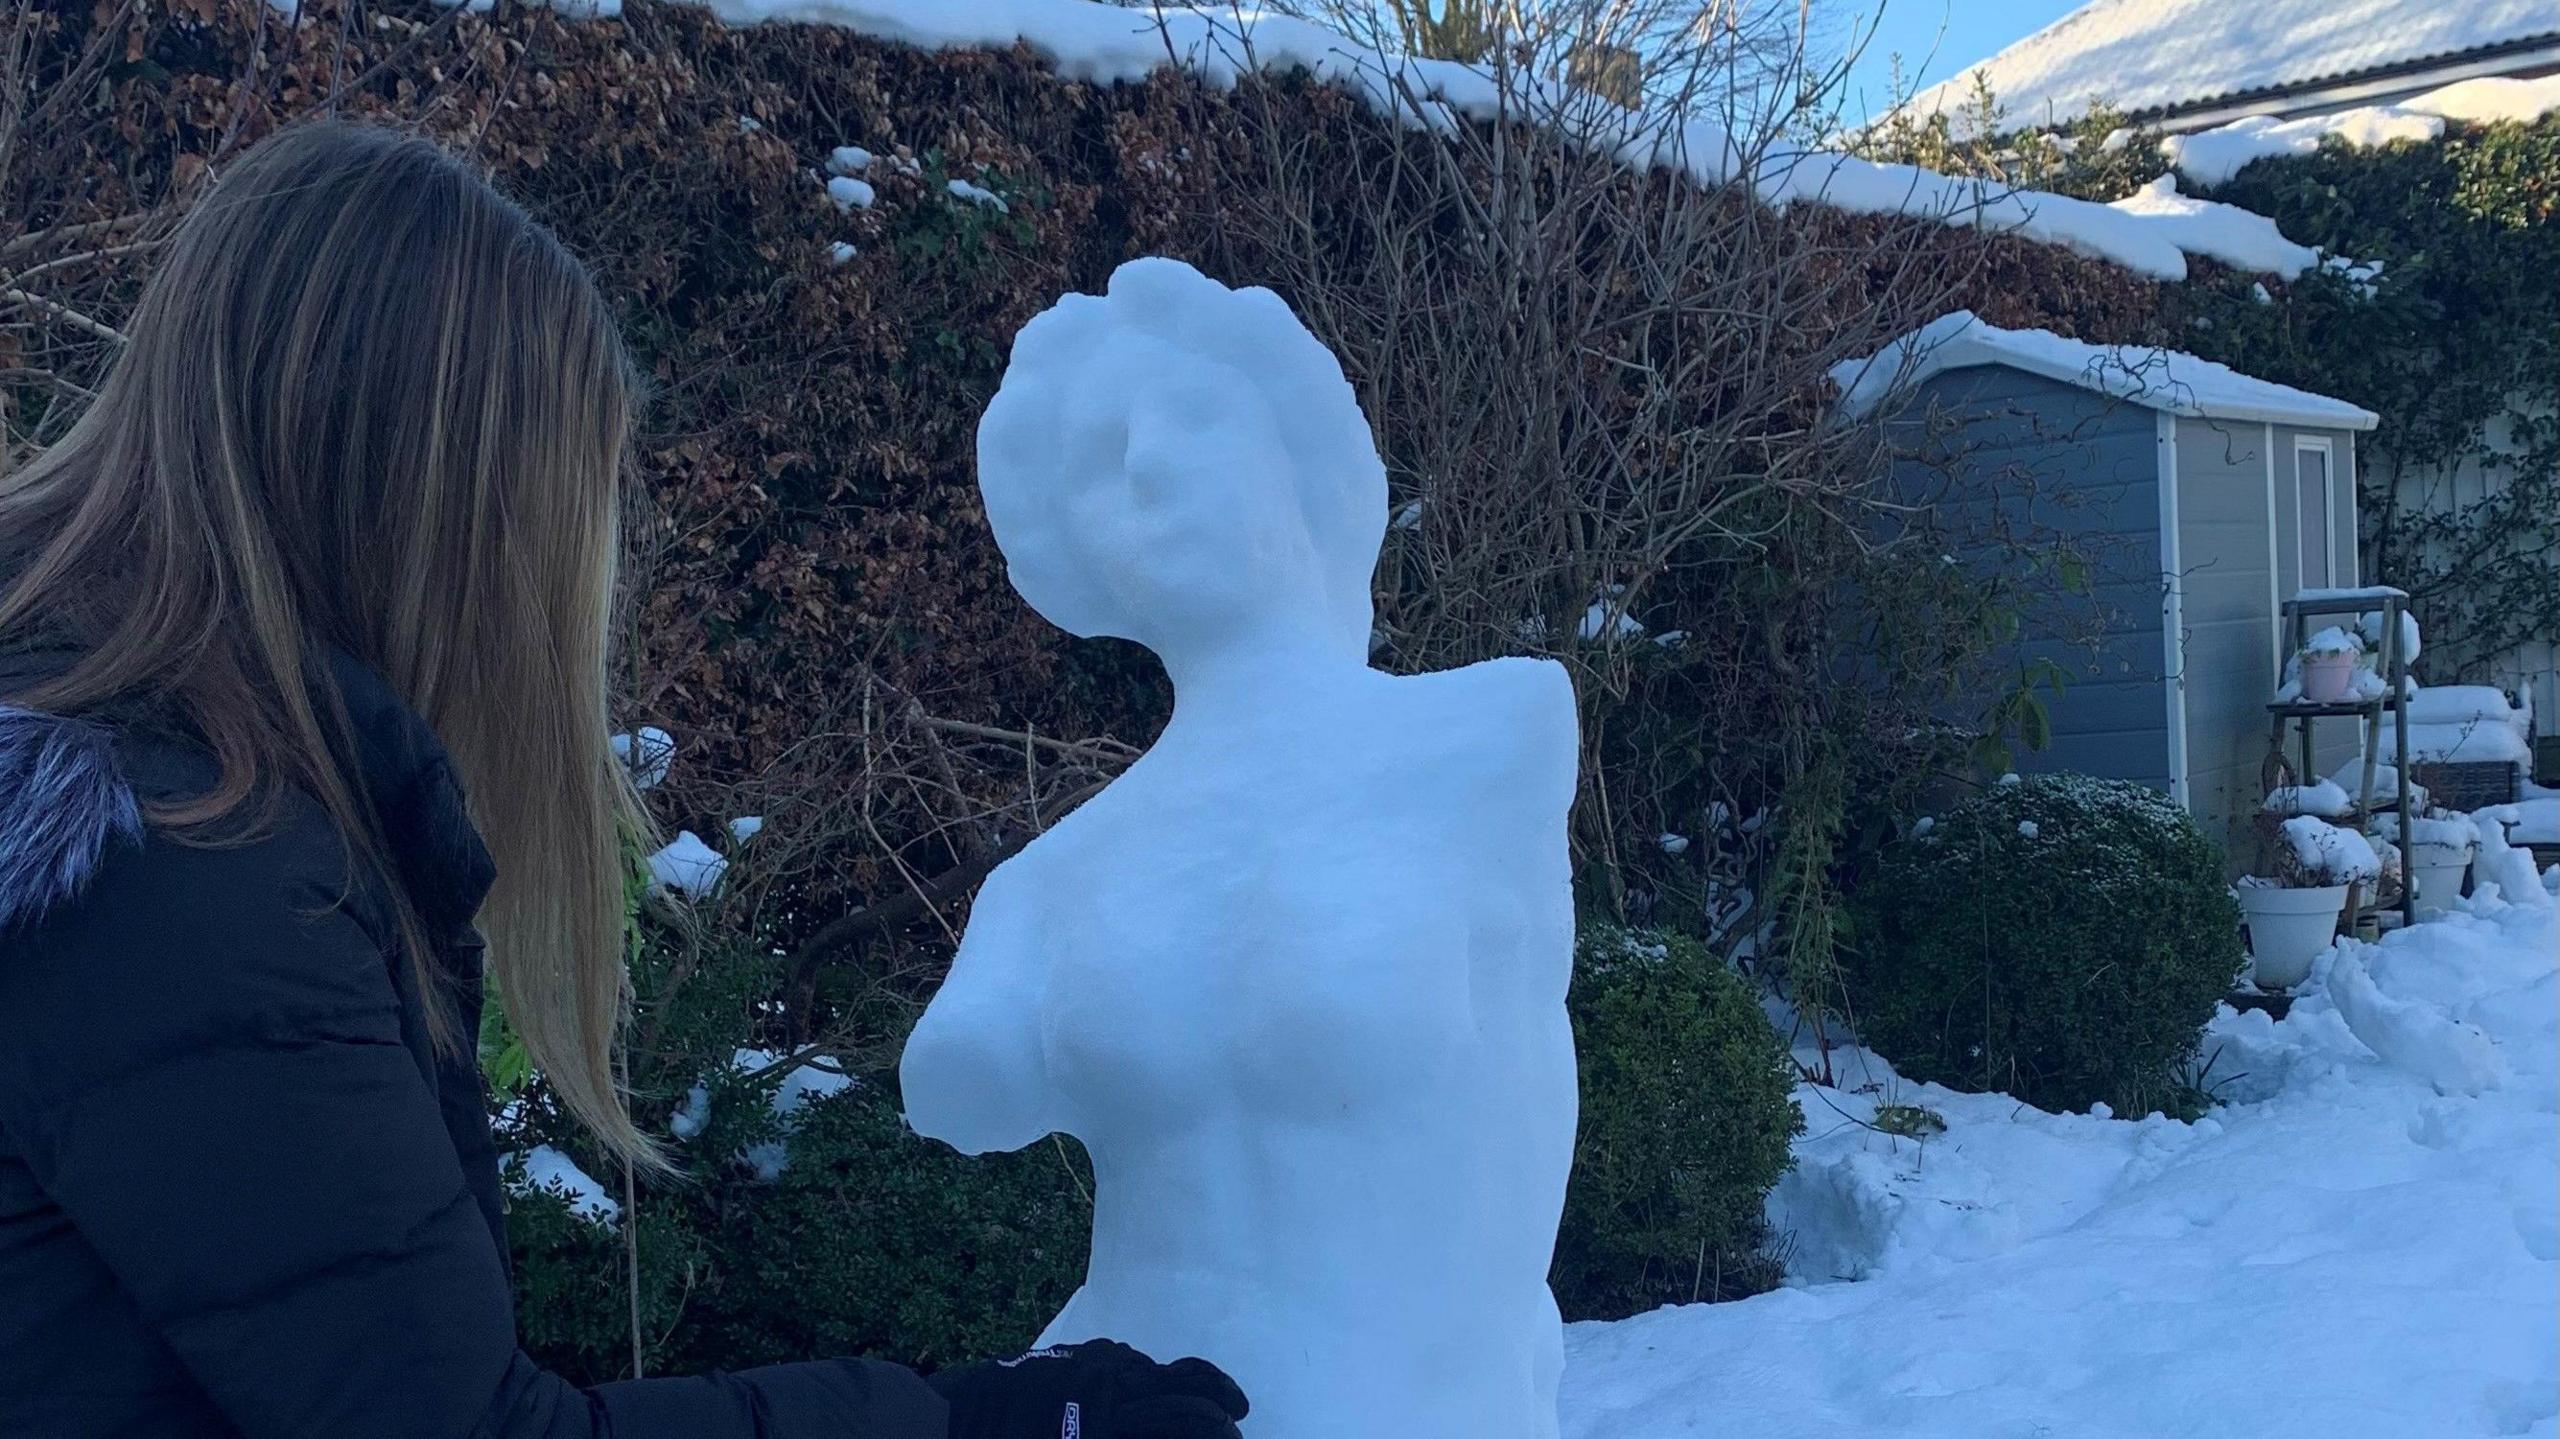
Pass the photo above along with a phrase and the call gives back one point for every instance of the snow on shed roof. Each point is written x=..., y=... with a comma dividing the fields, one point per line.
x=2144, y=56
x=2170, y=380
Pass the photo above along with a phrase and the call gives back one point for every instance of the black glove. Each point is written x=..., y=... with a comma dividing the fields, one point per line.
x=1100, y=1390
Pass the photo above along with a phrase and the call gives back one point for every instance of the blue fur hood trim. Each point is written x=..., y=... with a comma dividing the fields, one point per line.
x=62, y=802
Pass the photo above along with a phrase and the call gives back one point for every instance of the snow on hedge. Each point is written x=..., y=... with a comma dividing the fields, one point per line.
x=2145, y=244
x=688, y=866
x=545, y=1169
x=2241, y=238
x=2357, y=1243
x=2211, y=157
x=807, y=1081
x=2170, y=380
x=1107, y=44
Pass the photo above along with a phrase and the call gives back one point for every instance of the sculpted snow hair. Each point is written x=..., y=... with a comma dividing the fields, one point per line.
x=1072, y=488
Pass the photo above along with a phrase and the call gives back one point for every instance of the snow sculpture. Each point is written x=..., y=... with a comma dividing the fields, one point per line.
x=1297, y=978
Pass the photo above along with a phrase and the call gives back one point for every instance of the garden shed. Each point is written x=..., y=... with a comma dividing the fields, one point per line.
x=2201, y=497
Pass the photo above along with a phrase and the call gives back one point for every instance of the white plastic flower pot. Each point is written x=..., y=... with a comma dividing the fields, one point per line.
x=2437, y=870
x=2328, y=678
x=2287, y=930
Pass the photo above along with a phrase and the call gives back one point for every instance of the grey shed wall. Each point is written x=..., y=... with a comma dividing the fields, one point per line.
x=2226, y=607
x=2187, y=580
x=2240, y=552
x=2092, y=465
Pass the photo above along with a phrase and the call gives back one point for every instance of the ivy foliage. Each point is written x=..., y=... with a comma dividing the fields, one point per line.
x=2454, y=343
x=2456, y=346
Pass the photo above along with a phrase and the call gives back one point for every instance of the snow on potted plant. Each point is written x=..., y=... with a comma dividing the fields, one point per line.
x=2439, y=846
x=2329, y=661
x=2293, y=914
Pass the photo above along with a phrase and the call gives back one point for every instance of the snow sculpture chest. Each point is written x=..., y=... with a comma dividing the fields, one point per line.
x=1297, y=978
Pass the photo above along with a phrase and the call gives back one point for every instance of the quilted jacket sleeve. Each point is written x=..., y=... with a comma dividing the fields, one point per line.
x=202, y=1060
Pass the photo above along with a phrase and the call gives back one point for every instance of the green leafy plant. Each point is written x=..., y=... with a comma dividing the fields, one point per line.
x=1687, y=1110
x=1909, y=1121
x=870, y=1241
x=504, y=1065
x=2060, y=938
x=2455, y=343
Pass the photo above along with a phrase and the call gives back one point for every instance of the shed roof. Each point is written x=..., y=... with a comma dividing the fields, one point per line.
x=2159, y=379
x=2149, y=56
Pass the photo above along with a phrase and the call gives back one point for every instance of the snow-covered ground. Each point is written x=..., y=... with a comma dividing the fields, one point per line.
x=2359, y=1242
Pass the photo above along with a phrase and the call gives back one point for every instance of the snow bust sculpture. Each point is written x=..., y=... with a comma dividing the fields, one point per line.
x=1297, y=978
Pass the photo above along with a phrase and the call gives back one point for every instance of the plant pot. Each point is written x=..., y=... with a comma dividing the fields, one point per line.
x=2288, y=928
x=2437, y=871
x=2328, y=678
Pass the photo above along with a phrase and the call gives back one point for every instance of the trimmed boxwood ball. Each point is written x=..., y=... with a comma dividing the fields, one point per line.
x=2060, y=938
x=872, y=1241
x=878, y=1241
x=1687, y=1110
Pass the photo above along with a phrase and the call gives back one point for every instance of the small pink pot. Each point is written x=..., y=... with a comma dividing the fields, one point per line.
x=2327, y=678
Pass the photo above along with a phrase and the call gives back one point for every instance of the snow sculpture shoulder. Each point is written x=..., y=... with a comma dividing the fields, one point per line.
x=1297, y=978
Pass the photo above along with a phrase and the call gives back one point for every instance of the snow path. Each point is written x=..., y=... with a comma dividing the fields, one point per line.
x=2342, y=1249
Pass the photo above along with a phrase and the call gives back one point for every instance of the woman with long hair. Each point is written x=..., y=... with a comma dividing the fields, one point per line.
x=333, y=548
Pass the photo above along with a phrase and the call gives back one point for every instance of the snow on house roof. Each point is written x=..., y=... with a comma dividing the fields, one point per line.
x=1106, y=44
x=2210, y=157
x=2145, y=56
x=2167, y=380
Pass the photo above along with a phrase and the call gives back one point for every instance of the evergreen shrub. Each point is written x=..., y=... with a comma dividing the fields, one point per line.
x=1687, y=1110
x=872, y=1241
x=2060, y=938
x=875, y=1241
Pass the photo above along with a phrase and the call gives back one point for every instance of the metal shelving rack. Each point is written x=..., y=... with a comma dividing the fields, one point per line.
x=2393, y=667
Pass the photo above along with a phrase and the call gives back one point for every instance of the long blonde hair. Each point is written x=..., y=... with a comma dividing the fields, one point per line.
x=367, y=401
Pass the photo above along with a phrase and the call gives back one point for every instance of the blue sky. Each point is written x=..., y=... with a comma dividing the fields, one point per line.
x=1938, y=39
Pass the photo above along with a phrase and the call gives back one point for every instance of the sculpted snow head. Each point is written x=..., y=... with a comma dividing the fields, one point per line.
x=1181, y=464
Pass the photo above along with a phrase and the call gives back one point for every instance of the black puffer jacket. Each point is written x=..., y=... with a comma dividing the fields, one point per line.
x=240, y=1193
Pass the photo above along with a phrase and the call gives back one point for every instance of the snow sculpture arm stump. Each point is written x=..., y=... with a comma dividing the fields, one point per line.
x=1297, y=978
